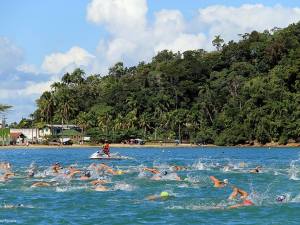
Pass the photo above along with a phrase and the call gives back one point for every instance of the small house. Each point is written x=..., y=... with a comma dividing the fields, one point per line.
x=17, y=138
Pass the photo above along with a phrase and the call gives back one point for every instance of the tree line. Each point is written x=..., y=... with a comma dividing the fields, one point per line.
x=243, y=92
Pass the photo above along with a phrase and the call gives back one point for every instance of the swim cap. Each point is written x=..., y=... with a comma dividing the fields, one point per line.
x=165, y=173
x=120, y=172
x=164, y=194
x=280, y=198
x=225, y=181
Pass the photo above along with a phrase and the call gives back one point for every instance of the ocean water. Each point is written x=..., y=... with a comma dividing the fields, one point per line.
x=194, y=199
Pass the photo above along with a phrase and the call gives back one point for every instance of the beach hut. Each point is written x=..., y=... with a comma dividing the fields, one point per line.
x=73, y=135
x=17, y=138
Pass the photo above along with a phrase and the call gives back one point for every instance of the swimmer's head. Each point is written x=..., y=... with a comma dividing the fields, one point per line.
x=31, y=174
x=280, y=198
x=164, y=194
x=120, y=172
x=225, y=181
x=164, y=173
x=87, y=174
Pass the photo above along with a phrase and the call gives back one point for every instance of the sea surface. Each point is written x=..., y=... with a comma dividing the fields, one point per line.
x=193, y=200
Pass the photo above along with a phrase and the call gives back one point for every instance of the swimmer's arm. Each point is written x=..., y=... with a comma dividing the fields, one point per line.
x=243, y=193
x=216, y=182
x=73, y=173
x=234, y=194
x=154, y=171
x=235, y=206
x=152, y=198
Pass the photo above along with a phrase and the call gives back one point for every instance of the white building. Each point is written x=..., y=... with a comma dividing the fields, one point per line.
x=32, y=134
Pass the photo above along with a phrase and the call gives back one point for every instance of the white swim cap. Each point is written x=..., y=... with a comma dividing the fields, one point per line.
x=225, y=181
x=280, y=198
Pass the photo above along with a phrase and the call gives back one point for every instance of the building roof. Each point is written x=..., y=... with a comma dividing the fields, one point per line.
x=65, y=126
x=16, y=135
x=70, y=133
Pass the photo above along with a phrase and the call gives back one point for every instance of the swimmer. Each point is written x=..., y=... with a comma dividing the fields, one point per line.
x=178, y=168
x=71, y=172
x=41, y=184
x=99, y=181
x=242, y=164
x=56, y=168
x=108, y=169
x=152, y=170
x=281, y=198
x=5, y=166
x=164, y=195
x=256, y=170
x=4, y=178
x=86, y=175
x=100, y=187
x=31, y=173
x=218, y=183
x=165, y=175
x=8, y=206
x=243, y=196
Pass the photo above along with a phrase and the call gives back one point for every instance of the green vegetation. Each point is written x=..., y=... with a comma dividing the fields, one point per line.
x=4, y=108
x=243, y=92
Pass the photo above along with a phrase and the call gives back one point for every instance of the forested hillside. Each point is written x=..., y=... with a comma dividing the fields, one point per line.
x=243, y=92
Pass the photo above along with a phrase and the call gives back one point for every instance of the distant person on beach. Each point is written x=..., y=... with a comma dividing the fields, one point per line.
x=243, y=197
x=106, y=148
x=256, y=169
x=218, y=183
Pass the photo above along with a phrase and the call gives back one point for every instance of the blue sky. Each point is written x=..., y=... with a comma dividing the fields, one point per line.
x=41, y=40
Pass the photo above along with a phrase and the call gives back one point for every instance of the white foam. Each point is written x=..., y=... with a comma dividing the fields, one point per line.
x=294, y=170
x=69, y=189
x=124, y=187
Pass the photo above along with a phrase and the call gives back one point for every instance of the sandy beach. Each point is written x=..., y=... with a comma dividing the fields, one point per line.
x=149, y=145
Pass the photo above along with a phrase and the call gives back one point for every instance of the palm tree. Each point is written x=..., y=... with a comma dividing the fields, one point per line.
x=4, y=108
x=46, y=106
x=217, y=42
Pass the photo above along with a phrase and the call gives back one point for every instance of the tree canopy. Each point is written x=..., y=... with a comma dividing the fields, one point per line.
x=246, y=91
x=4, y=108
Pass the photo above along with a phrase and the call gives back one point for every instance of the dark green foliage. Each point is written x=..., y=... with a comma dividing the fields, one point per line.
x=244, y=92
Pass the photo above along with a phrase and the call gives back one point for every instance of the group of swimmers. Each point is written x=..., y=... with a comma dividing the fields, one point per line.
x=96, y=175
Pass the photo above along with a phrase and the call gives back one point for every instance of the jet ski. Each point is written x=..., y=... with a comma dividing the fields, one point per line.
x=113, y=156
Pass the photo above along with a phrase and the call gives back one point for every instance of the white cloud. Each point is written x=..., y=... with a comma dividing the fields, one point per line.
x=119, y=47
x=120, y=16
x=168, y=23
x=28, y=68
x=231, y=21
x=183, y=42
x=35, y=88
x=65, y=62
x=10, y=55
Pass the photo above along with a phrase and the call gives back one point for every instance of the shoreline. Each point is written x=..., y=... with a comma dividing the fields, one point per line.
x=269, y=145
